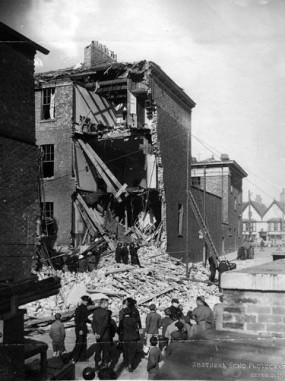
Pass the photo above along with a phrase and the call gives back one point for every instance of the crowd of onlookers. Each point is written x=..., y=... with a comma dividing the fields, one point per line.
x=125, y=335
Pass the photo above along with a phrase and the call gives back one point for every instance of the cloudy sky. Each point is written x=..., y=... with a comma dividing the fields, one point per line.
x=228, y=55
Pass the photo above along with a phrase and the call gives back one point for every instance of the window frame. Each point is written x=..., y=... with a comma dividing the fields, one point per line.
x=47, y=158
x=46, y=103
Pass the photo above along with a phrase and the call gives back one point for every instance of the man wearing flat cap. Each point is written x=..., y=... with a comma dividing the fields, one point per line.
x=81, y=320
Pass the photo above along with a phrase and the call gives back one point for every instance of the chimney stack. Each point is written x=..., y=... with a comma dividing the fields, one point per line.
x=96, y=54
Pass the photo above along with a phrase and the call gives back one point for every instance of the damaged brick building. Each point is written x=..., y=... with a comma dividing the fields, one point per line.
x=19, y=202
x=114, y=151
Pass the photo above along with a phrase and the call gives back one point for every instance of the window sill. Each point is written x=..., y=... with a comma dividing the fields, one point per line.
x=47, y=120
x=48, y=178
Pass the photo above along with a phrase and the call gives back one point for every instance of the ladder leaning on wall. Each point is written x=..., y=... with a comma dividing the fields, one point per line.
x=203, y=227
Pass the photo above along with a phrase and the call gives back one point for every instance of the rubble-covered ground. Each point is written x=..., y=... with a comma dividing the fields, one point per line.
x=160, y=278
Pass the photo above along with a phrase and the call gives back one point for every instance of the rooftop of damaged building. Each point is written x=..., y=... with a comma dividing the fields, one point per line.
x=100, y=64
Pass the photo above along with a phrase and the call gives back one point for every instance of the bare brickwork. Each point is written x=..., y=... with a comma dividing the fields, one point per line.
x=18, y=178
x=255, y=312
x=58, y=132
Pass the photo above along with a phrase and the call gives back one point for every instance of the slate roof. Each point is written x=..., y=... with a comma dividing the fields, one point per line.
x=259, y=207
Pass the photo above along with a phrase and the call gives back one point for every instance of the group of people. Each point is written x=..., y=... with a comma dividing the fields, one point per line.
x=174, y=326
x=125, y=254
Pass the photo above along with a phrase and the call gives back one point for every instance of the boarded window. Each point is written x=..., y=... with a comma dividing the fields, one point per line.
x=48, y=103
x=180, y=220
x=47, y=160
x=47, y=209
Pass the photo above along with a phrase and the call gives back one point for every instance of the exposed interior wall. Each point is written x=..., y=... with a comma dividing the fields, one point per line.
x=124, y=157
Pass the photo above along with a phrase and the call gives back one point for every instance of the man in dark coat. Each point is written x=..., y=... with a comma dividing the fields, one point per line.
x=213, y=269
x=118, y=253
x=125, y=254
x=93, y=258
x=174, y=308
x=134, y=255
x=101, y=326
x=129, y=332
x=81, y=320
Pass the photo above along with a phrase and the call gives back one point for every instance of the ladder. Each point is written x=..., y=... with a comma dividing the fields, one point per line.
x=203, y=227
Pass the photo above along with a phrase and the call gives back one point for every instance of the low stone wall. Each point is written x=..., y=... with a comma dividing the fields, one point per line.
x=254, y=300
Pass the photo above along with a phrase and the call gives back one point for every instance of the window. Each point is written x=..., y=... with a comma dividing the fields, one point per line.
x=48, y=103
x=276, y=226
x=47, y=209
x=235, y=203
x=196, y=182
x=180, y=220
x=47, y=160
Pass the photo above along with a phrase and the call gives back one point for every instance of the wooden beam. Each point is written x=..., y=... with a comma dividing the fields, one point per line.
x=106, y=169
x=148, y=298
x=95, y=222
x=98, y=167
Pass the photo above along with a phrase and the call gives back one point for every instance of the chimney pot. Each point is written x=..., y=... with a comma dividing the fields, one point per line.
x=225, y=157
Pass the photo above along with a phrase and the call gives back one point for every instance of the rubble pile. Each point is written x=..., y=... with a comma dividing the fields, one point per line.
x=160, y=279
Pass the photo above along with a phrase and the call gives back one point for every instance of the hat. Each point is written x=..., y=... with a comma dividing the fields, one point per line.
x=85, y=298
x=201, y=298
x=179, y=325
x=174, y=300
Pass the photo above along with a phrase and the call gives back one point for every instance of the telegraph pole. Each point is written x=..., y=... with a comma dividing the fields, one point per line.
x=249, y=213
x=204, y=215
x=188, y=179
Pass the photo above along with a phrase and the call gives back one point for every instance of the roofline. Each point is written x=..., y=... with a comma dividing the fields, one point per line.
x=222, y=163
x=165, y=78
x=254, y=207
x=274, y=202
x=21, y=38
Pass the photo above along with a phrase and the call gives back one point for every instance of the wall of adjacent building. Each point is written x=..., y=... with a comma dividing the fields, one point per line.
x=18, y=175
x=227, y=185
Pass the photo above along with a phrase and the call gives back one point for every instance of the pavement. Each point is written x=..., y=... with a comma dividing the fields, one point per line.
x=177, y=369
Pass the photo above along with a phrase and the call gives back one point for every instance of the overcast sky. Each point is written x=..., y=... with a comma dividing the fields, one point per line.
x=228, y=55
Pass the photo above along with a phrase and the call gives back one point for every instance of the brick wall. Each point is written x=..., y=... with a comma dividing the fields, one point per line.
x=255, y=312
x=96, y=54
x=58, y=132
x=213, y=207
x=173, y=122
x=19, y=207
x=18, y=172
x=227, y=185
x=16, y=94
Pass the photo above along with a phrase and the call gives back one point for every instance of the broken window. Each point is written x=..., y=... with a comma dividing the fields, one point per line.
x=47, y=160
x=47, y=209
x=48, y=103
x=180, y=220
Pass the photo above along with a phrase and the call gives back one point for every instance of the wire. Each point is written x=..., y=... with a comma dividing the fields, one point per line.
x=204, y=144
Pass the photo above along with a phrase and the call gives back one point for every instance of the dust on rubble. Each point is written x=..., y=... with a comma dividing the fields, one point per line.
x=160, y=279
